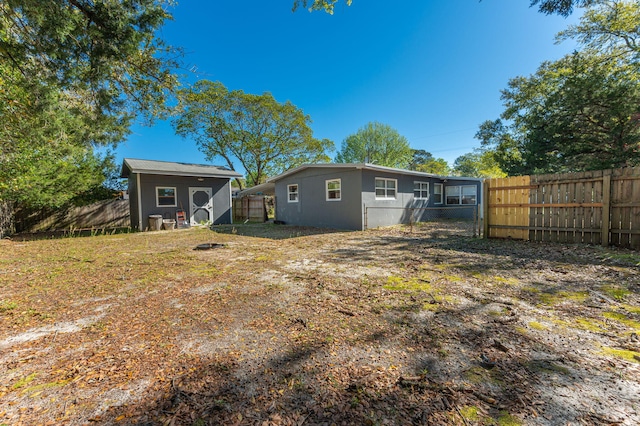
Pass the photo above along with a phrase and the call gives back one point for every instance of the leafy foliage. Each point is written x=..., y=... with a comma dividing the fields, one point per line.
x=611, y=28
x=73, y=75
x=326, y=5
x=376, y=143
x=479, y=164
x=105, y=53
x=424, y=161
x=265, y=136
x=560, y=7
x=579, y=112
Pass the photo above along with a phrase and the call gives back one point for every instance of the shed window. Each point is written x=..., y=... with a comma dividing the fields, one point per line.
x=461, y=194
x=292, y=191
x=421, y=190
x=334, y=190
x=386, y=188
x=166, y=196
x=437, y=193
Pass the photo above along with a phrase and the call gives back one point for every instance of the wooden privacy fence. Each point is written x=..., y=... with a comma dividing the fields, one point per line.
x=251, y=208
x=103, y=214
x=599, y=207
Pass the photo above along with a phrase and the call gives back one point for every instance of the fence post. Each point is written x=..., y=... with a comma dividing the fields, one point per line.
x=606, y=207
x=485, y=207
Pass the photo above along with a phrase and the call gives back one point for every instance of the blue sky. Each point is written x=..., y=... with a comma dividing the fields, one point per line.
x=431, y=69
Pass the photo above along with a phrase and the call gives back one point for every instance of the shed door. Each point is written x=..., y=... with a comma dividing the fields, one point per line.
x=201, y=206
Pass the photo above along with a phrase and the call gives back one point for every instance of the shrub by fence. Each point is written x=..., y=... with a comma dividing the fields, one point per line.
x=598, y=207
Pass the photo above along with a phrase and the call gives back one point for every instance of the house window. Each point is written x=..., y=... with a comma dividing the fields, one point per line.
x=333, y=190
x=292, y=191
x=386, y=188
x=461, y=194
x=421, y=190
x=437, y=193
x=166, y=196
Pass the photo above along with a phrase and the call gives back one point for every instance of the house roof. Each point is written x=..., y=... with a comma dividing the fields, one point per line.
x=268, y=188
x=152, y=167
x=365, y=166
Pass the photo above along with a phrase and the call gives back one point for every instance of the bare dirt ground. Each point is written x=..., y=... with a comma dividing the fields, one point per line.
x=276, y=325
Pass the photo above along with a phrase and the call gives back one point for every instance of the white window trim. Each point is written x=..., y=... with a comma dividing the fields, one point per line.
x=289, y=193
x=175, y=196
x=441, y=186
x=386, y=197
x=421, y=182
x=326, y=187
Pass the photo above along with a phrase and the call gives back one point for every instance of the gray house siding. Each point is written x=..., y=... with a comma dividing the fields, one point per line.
x=220, y=188
x=461, y=211
x=313, y=208
x=386, y=212
x=361, y=207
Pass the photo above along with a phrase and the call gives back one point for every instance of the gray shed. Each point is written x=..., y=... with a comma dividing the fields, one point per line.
x=162, y=188
x=361, y=196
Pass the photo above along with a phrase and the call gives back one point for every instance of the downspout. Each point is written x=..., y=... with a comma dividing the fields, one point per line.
x=139, y=193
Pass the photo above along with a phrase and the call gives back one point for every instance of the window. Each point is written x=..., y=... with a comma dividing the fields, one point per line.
x=292, y=191
x=464, y=194
x=333, y=190
x=386, y=188
x=421, y=190
x=437, y=193
x=166, y=196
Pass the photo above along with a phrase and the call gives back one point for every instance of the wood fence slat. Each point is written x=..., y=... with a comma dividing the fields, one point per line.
x=596, y=207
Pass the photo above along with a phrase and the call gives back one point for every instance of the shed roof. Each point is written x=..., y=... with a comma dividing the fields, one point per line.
x=365, y=166
x=152, y=167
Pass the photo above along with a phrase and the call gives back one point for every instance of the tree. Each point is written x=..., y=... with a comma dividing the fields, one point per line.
x=326, y=5
x=579, y=112
x=424, y=161
x=479, y=164
x=561, y=7
x=266, y=137
x=496, y=138
x=612, y=27
x=44, y=161
x=376, y=143
x=73, y=75
x=105, y=53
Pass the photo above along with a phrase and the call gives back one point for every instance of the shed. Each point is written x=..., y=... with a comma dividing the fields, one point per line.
x=162, y=188
x=361, y=196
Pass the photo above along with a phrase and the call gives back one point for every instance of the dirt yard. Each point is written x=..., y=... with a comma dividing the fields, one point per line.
x=275, y=325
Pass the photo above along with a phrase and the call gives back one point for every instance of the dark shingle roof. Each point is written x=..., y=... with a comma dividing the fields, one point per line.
x=131, y=165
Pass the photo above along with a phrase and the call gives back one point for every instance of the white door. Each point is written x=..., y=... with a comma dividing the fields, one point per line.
x=201, y=206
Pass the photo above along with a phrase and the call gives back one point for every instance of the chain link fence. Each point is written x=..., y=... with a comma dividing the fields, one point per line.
x=435, y=221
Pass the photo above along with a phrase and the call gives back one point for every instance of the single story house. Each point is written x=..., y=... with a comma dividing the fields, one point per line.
x=362, y=196
x=201, y=193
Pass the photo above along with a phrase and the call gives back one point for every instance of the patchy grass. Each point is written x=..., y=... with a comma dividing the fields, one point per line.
x=24, y=381
x=537, y=326
x=623, y=319
x=625, y=354
x=617, y=292
x=555, y=298
x=285, y=325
